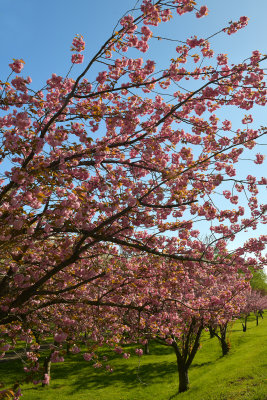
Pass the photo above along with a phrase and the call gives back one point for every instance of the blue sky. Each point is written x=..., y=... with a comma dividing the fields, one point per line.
x=41, y=33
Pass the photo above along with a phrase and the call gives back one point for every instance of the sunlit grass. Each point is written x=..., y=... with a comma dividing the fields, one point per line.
x=240, y=375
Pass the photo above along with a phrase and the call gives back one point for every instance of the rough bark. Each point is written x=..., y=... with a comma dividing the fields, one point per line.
x=183, y=377
x=186, y=354
x=225, y=347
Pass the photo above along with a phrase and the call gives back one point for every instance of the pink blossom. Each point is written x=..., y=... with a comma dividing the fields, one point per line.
x=60, y=337
x=102, y=76
x=46, y=379
x=17, y=66
x=118, y=350
x=243, y=20
x=22, y=121
x=227, y=194
x=235, y=26
x=56, y=357
x=127, y=20
x=202, y=11
x=169, y=341
x=75, y=349
x=247, y=119
x=199, y=109
x=97, y=365
x=77, y=58
x=139, y=352
x=234, y=199
x=126, y=355
x=146, y=31
x=222, y=59
x=88, y=356
x=109, y=368
x=78, y=44
x=259, y=158
x=255, y=58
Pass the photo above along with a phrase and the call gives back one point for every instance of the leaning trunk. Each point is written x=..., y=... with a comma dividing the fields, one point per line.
x=225, y=347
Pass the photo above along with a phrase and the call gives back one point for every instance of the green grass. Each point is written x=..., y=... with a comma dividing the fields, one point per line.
x=240, y=375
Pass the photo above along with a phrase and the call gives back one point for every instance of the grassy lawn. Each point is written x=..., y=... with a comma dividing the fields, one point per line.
x=240, y=375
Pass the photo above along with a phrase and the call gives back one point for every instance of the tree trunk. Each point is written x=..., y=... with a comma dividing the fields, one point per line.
x=225, y=347
x=186, y=355
x=47, y=370
x=183, y=378
x=146, y=348
x=244, y=326
x=257, y=319
x=68, y=348
x=211, y=330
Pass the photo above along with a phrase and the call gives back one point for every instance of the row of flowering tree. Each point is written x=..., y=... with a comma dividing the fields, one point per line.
x=256, y=303
x=147, y=298
x=127, y=161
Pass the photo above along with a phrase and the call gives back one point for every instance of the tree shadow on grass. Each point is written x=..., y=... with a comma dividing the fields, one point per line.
x=173, y=396
x=199, y=365
x=156, y=349
x=125, y=376
x=11, y=371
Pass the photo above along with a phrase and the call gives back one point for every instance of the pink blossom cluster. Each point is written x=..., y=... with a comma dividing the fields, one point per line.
x=46, y=379
x=202, y=12
x=255, y=58
x=88, y=356
x=259, y=158
x=247, y=119
x=60, y=337
x=235, y=26
x=78, y=45
x=222, y=59
x=56, y=357
x=75, y=349
x=17, y=66
x=77, y=58
x=139, y=352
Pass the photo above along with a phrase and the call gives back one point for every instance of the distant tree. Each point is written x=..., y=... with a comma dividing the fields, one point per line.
x=259, y=281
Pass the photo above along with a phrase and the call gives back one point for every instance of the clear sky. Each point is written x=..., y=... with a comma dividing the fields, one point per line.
x=41, y=33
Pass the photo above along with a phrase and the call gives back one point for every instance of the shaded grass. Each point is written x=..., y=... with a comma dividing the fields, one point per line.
x=242, y=374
